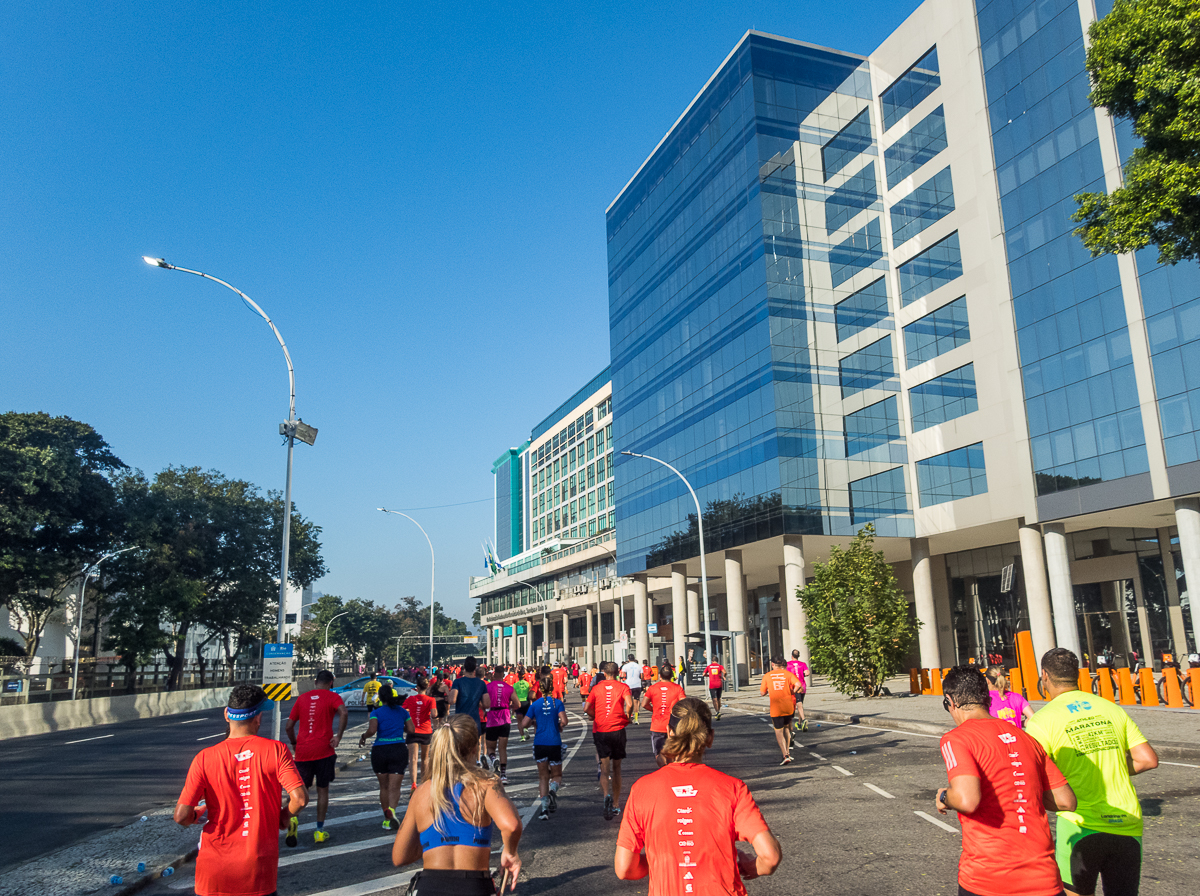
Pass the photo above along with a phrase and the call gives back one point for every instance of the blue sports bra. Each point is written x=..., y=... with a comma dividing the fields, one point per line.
x=459, y=832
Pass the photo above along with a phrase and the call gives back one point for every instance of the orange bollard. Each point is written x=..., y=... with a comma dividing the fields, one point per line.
x=1014, y=680
x=1085, y=681
x=1149, y=692
x=1171, y=687
x=1105, y=684
x=1194, y=679
x=914, y=681
x=1027, y=662
x=926, y=686
x=936, y=676
x=1126, y=697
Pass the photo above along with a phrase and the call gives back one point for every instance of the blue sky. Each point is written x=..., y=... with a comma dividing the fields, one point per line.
x=415, y=194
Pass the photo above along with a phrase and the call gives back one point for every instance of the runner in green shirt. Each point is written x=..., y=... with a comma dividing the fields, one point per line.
x=521, y=690
x=1098, y=747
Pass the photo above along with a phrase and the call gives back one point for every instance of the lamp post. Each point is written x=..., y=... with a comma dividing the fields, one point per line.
x=620, y=596
x=399, y=638
x=329, y=623
x=432, y=571
x=703, y=566
x=88, y=572
x=292, y=428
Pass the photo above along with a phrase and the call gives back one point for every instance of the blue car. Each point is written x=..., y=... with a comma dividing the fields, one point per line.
x=352, y=692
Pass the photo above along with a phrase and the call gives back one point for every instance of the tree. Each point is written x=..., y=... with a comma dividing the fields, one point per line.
x=859, y=625
x=1144, y=62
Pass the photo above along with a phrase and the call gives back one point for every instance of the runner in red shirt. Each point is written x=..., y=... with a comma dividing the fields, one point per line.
x=316, y=745
x=1007, y=847
x=585, y=683
x=609, y=705
x=682, y=822
x=716, y=682
x=238, y=781
x=560, y=682
x=511, y=678
x=658, y=699
x=422, y=708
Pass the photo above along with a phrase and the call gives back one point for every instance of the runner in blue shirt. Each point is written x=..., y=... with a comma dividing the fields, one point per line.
x=550, y=716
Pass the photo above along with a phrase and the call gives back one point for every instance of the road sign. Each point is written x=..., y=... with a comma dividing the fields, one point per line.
x=470, y=639
x=277, y=670
x=652, y=627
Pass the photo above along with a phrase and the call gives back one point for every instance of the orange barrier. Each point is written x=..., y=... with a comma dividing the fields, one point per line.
x=926, y=686
x=1014, y=680
x=1104, y=684
x=1085, y=681
x=914, y=681
x=1194, y=678
x=1126, y=696
x=1171, y=686
x=1027, y=662
x=1149, y=691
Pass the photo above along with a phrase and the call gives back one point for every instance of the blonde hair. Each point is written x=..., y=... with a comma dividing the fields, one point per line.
x=691, y=727
x=448, y=765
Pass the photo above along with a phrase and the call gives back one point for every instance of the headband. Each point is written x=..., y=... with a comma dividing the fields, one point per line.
x=245, y=715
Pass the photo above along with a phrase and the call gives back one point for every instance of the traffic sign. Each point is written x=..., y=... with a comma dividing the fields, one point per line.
x=652, y=627
x=277, y=670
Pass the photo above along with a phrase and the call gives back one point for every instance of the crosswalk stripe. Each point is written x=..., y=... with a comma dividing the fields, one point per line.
x=372, y=886
x=311, y=855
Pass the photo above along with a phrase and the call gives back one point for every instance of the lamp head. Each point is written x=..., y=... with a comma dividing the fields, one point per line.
x=157, y=262
x=381, y=509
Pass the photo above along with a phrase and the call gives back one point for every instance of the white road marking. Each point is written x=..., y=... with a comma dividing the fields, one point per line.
x=937, y=821
x=211, y=736
x=86, y=739
x=817, y=756
x=343, y=819
x=843, y=771
x=312, y=854
x=527, y=813
x=878, y=790
x=1182, y=764
x=190, y=721
x=372, y=886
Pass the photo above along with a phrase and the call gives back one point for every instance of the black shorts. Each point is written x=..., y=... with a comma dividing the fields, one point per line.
x=422, y=739
x=962, y=892
x=782, y=721
x=524, y=707
x=389, y=759
x=1116, y=859
x=800, y=696
x=442, y=709
x=714, y=693
x=548, y=753
x=609, y=744
x=637, y=693
x=321, y=769
x=658, y=739
x=452, y=883
x=495, y=732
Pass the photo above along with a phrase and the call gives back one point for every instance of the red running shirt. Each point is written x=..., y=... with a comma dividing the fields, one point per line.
x=1007, y=847
x=585, y=683
x=239, y=781
x=662, y=696
x=422, y=708
x=560, y=683
x=608, y=698
x=510, y=679
x=714, y=671
x=314, y=712
x=688, y=818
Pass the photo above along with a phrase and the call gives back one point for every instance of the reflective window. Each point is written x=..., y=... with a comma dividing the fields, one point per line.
x=860, y=251
x=910, y=88
x=863, y=309
x=924, y=273
x=929, y=202
x=868, y=368
x=849, y=142
x=950, y=476
x=936, y=333
x=880, y=495
x=943, y=398
x=857, y=193
x=914, y=149
x=876, y=424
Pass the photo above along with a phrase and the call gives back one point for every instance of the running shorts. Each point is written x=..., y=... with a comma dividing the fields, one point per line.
x=389, y=759
x=431, y=882
x=637, y=695
x=551, y=753
x=1084, y=855
x=782, y=721
x=800, y=696
x=442, y=709
x=609, y=744
x=658, y=740
x=323, y=770
x=715, y=693
x=422, y=739
x=495, y=732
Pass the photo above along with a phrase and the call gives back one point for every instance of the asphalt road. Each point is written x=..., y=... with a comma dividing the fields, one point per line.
x=845, y=813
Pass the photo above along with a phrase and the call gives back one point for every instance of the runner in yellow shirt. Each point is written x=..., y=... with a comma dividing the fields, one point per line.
x=371, y=692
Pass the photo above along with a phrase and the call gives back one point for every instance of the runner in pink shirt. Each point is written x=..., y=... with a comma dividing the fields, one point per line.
x=1006, y=705
x=799, y=668
x=502, y=704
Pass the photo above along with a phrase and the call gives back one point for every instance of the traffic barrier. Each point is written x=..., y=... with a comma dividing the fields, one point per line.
x=1027, y=661
x=936, y=676
x=1125, y=693
x=1014, y=680
x=1085, y=681
x=1194, y=680
x=914, y=681
x=1104, y=684
x=1171, y=686
x=926, y=685
x=1146, y=686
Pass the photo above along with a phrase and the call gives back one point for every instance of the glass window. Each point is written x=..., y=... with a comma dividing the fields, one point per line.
x=937, y=332
x=953, y=475
x=883, y=494
x=867, y=368
x=926, y=139
x=600, y=441
x=858, y=252
x=943, y=398
x=847, y=143
x=600, y=502
x=929, y=202
x=591, y=474
x=600, y=470
x=857, y=193
x=910, y=88
x=591, y=448
x=876, y=424
x=924, y=273
x=863, y=309
x=572, y=457
x=591, y=504
x=588, y=418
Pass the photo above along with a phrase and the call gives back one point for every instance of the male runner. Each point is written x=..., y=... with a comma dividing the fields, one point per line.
x=1098, y=747
x=371, y=691
x=560, y=681
x=783, y=688
x=658, y=700
x=503, y=701
x=716, y=682
x=316, y=745
x=549, y=715
x=521, y=691
x=631, y=674
x=469, y=696
x=585, y=683
x=239, y=780
x=799, y=668
x=608, y=706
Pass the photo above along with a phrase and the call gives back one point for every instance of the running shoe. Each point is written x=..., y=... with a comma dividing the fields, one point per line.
x=320, y=836
x=718, y=713
x=796, y=725
x=503, y=778
x=542, y=816
x=787, y=760
x=552, y=799
x=292, y=828
x=609, y=809
x=616, y=812
x=804, y=725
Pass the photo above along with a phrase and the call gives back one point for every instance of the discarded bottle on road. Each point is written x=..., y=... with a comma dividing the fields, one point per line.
x=168, y=871
x=116, y=879
x=141, y=867
x=144, y=818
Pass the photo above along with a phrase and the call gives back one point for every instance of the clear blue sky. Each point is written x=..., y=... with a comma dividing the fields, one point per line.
x=414, y=192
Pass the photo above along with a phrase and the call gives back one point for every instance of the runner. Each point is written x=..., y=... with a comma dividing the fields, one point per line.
x=521, y=690
x=560, y=676
x=440, y=691
x=421, y=707
x=714, y=809
x=316, y=745
x=371, y=691
x=391, y=725
x=715, y=673
x=502, y=702
x=799, y=668
x=631, y=674
x=1007, y=846
x=1098, y=748
x=609, y=705
x=585, y=683
x=468, y=693
x=783, y=687
x=510, y=676
x=658, y=700
x=549, y=715
x=1006, y=704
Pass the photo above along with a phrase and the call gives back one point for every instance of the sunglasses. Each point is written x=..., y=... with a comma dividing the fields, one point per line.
x=946, y=703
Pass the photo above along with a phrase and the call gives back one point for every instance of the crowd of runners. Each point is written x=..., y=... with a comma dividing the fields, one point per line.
x=1007, y=768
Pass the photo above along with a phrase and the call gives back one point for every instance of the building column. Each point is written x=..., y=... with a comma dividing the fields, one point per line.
x=1037, y=590
x=487, y=643
x=512, y=643
x=791, y=580
x=679, y=614
x=618, y=624
x=1187, y=520
x=641, y=637
x=1174, y=610
x=922, y=579
x=566, y=641
x=694, y=623
x=590, y=656
x=1062, y=595
x=735, y=610
x=529, y=645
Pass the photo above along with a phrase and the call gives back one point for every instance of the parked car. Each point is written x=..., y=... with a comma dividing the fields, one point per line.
x=352, y=692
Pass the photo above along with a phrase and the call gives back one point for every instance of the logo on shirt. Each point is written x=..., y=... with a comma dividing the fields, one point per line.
x=243, y=756
x=685, y=790
x=1079, y=706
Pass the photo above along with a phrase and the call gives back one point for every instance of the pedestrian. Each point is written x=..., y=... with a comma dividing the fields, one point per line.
x=799, y=668
x=1001, y=783
x=316, y=745
x=450, y=818
x=1006, y=704
x=370, y=691
x=683, y=822
x=238, y=781
x=468, y=696
x=548, y=715
x=631, y=674
x=657, y=700
x=715, y=673
x=783, y=688
x=391, y=725
x=502, y=700
x=1098, y=747
x=609, y=706
x=422, y=708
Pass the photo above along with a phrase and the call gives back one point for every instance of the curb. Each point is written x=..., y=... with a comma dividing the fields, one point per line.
x=847, y=718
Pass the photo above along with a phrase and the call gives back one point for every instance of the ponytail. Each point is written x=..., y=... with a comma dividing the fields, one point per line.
x=691, y=731
x=447, y=766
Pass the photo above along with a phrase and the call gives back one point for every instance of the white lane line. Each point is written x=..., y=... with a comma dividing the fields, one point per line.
x=878, y=790
x=843, y=771
x=211, y=736
x=311, y=854
x=376, y=814
x=86, y=739
x=937, y=821
x=817, y=756
x=1181, y=764
x=527, y=813
x=191, y=721
x=879, y=730
x=372, y=886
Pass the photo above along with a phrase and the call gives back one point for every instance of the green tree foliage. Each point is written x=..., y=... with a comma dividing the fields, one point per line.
x=859, y=625
x=58, y=512
x=1144, y=61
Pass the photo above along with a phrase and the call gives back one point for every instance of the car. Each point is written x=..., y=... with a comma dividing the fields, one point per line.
x=352, y=692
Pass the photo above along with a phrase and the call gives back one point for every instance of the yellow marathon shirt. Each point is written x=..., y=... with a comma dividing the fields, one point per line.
x=371, y=691
x=1087, y=737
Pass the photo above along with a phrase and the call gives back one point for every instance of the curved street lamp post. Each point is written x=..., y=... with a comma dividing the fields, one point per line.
x=88, y=572
x=432, y=572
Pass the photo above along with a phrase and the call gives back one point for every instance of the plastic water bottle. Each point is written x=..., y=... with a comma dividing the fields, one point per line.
x=168, y=871
x=141, y=867
x=116, y=880
x=144, y=818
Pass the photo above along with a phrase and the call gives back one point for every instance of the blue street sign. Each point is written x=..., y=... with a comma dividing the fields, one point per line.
x=276, y=651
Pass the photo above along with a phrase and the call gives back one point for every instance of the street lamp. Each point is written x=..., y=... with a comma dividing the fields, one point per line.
x=88, y=572
x=329, y=623
x=432, y=571
x=703, y=566
x=569, y=542
x=292, y=428
x=398, y=638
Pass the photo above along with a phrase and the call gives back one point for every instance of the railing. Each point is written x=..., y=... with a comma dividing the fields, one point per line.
x=114, y=680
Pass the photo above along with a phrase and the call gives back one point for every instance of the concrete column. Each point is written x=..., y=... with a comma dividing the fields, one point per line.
x=512, y=643
x=791, y=580
x=530, y=647
x=735, y=610
x=641, y=637
x=566, y=639
x=1174, y=610
x=618, y=624
x=678, y=607
x=590, y=656
x=922, y=578
x=1037, y=590
x=1187, y=520
x=1062, y=596
x=487, y=644
x=694, y=623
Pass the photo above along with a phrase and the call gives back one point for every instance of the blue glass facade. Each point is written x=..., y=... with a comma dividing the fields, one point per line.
x=943, y=398
x=910, y=88
x=856, y=194
x=1171, y=302
x=874, y=426
x=866, y=308
x=874, y=499
x=870, y=367
x=926, y=139
x=937, y=265
x=937, y=333
x=925, y=205
x=861, y=250
x=956, y=474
